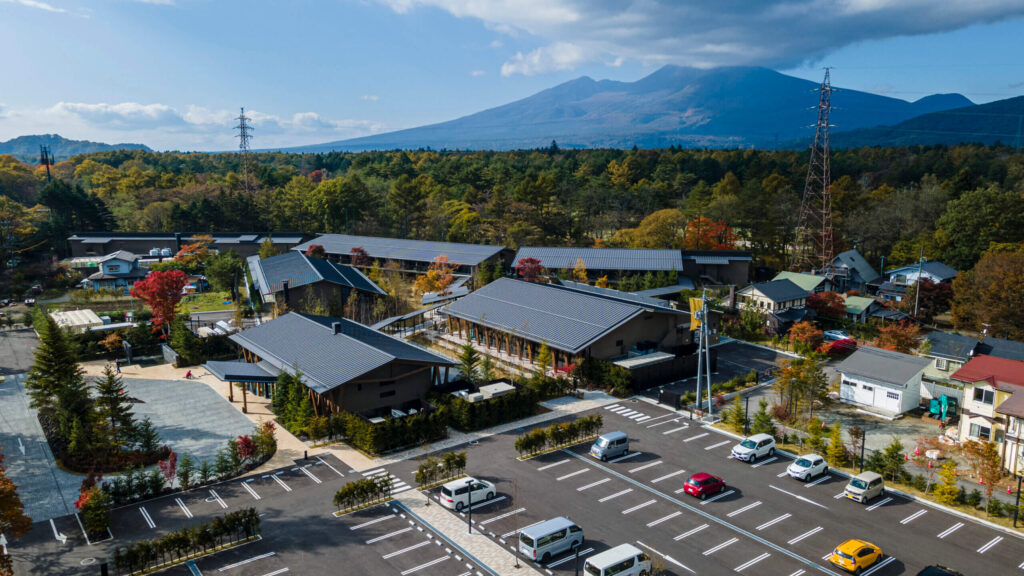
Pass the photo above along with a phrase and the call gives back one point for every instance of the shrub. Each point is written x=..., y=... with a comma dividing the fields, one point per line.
x=973, y=499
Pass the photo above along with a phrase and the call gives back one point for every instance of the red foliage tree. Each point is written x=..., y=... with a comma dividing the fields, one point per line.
x=169, y=467
x=246, y=447
x=162, y=292
x=316, y=251
x=827, y=304
x=529, y=269
x=316, y=176
x=706, y=234
x=358, y=257
x=935, y=299
x=901, y=337
x=806, y=333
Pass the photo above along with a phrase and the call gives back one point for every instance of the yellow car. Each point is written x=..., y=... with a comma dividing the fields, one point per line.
x=855, y=555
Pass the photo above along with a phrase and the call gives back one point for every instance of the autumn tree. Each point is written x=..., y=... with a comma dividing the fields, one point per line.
x=579, y=273
x=16, y=226
x=706, y=234
x=660, y=229
x=800, y=382
x=935, y=298
x=992, y=293
x=602, y=282
x=806, y=334
x=439, y=276
x=986, y=463
x=316, y=251
x=358, y=257
x=529, y=269
x=194, y=255
x=13, y=522
x=898, y=336
x=267, y=249
x=162, y=292
x=112, y=342
x=544, y=359
x=829, y=304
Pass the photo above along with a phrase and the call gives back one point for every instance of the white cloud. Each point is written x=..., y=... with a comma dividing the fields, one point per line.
x=477, y=73
x=371, y=97
x=35, y=4
x=123, y=116
x=496, y=44
x=705, y=33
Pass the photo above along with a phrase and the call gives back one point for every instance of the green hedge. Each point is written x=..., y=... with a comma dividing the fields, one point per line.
x=392, y=433
x=363, y=491
x=558, y=435
x=469, y=416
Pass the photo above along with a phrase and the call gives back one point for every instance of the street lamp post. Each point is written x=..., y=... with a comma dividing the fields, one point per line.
x=746, y=417
x=469, y=512
x=1016, y=506
x=863, y=442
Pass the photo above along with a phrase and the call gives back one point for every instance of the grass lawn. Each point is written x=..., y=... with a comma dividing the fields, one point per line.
x=207, y=302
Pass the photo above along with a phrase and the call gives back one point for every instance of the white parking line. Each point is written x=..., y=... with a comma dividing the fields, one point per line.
x=713, y=446
x=571, y=474
x=840, y=495
x=744, y=509
x=568, y=558
x=878, y=504
x=763, y=462
x=818, y=481
x=616, y=495
x=311, y=476
x=990, y=544
x=690, y=533
x=797, y=496
x=329, y=466
x=807, y=534
x=878, y=566
x=774, y=521
x=406, y=549
x=626, y=457
x=553, y=464
x=951, y=529
x=665, y=422
x=188, y=513
x=728, y=542
x=666, y=476
x=800, y=572
x=389, y=535
x=645, y=466
x=374, y=521
x=674, y=430
x=218, y=499
x=668, y=558
x=246, y=561
x=638, y=506
x=517, y=530
x=147, y=517
x=664, y=518
x=692, y=438
x=718, y=497
x=505, y=515
x=781, y=474
x=662, y=416
x=286, y=487
x=592, y=484
x=910, y=518
x=752, y=562
x=487, y=502
x=250, y=490
x=422, y=566
x=276, y=572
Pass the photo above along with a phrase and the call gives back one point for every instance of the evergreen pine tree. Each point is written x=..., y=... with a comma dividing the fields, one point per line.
x=762, y=423
x=304, y=413
x=296, y=393
x=282, y=392
x=836, y=452
x=146, y=437
x=113, y=410
x=469, y=362
x=186, y=471
x=56, y=385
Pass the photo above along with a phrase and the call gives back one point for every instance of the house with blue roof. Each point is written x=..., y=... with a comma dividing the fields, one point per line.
x=117, y=270
x=931, y=270
x=294, y=281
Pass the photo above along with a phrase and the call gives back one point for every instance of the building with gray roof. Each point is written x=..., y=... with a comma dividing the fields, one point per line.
x=345, y=365
x=881, y=381
x=932, y=270
x=611, y=262
x=411, y=255
x=851, y=271
x=718, y=267
x=243, y=243
x=304, y=283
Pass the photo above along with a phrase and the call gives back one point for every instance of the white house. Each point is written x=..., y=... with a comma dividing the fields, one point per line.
x=881, y=381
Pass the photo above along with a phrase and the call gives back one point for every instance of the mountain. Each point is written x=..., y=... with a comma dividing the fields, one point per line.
x=719, y=107
x=26, y=148
x=999, y=121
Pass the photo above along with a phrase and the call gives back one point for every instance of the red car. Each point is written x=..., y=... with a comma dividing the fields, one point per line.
x=702, y=484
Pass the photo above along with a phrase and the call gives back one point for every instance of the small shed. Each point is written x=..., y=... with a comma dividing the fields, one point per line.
x=77, y=321
x=881, y=381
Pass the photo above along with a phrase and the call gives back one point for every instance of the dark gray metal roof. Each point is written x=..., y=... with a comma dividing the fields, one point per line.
x=1001, y=348
x=779, y=290
x=717, y=256
x=568, y=320
x=306, y=343
x=933, y=267
x=120, y=255
x=684, y=284
x=299, y=270
x=627, y=297
x=239, y=371
x=399, y=249
x=854, y=261
x=626, y=259
x=951, y=346
x=883, y=365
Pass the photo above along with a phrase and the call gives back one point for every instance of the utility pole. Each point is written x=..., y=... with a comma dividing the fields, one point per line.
x=244, y=129
x=814, y=247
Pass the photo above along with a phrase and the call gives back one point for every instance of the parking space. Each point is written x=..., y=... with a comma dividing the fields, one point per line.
x=734, y=359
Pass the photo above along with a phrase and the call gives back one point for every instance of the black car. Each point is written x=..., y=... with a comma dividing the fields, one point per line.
x=938, y=571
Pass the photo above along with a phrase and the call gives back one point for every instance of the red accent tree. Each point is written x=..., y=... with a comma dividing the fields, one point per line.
x=162, y=292
x=529, y=269
x=246, y=447
x=316, y=251
x=899, y=337
x=169, y=467
x=827, y=304
x=359, y=257
x=706, y=234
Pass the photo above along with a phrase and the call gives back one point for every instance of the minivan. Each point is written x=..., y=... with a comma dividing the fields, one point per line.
x=623, y=560
x=610, y=445
x=550, y=538
x=865, y=486
x=456, y=494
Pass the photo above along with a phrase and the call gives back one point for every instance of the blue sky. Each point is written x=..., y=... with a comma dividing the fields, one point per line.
x=172, y=73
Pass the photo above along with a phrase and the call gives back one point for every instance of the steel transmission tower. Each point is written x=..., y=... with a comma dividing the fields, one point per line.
x=814, y=247
x=46, y=159
x=244, y=129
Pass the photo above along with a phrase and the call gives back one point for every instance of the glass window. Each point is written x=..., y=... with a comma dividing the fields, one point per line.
x=592, y=570
x=803, y=463
x=526, y=540
x=748, y=443
x=858, y=484
x=892, y=395
x=980, y=432
x=867, y=388
x=114, y=268
x=940, y=363
x=983, y=395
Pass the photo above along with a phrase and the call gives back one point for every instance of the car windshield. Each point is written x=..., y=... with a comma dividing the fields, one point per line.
x=693, y=482
x=591, y=569
x=858, y=484
x=748, y=443
x=446, y=491
x=526, y=540
x=602, y=443
x=842, y=555
x=803, y=463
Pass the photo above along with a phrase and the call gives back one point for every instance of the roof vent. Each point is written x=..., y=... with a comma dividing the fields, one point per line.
x=336, y=326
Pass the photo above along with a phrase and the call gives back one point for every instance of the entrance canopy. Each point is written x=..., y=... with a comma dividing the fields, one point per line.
x=241, y=371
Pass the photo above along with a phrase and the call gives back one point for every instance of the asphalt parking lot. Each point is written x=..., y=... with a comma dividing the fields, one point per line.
x=16, y=350
x=734, y=359
x=763, y=523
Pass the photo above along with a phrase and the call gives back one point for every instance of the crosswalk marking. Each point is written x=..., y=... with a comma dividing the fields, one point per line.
x=639, y=416
x=639, y=420
x=374, y=472
x=690, y=533
x=611, y=407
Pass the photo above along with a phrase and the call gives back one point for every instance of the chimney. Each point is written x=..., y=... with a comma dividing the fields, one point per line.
x=177, y=242
x=284, y=288
x=336, y=326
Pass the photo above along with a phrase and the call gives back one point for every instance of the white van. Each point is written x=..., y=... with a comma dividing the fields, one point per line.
x=623, y=560
x=456, y=494
x=550, y=538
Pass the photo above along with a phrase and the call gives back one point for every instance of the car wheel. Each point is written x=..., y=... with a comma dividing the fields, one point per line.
x=857, y=571
x=604, y=458
x=721, y=488
x=824, y=470
x=459, y=506
x=806, y=477
x=703, y=495
x=544, y=559
x=771, y=452
x=644, y=573
x=489, y=496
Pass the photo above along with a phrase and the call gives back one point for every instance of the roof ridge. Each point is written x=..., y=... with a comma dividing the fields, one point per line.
x=309, y=262
x=333, y=319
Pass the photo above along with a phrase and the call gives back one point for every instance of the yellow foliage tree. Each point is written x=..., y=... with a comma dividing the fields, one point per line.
x=579, y=273
x=438, y=278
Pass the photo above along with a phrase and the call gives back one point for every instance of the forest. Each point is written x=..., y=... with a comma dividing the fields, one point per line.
x=892, y=203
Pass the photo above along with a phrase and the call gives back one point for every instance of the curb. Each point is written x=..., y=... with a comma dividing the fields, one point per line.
x=443, y=536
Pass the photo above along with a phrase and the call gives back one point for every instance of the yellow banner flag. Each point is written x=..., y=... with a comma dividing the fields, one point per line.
x=696, y=304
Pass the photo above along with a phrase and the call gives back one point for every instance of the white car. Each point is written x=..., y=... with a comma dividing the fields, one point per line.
x=456, y=494
x=807, y=466
x=833, y=335
x=754, y=447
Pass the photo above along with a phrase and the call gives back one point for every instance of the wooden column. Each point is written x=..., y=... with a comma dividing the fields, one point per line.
x=313, y=400
x=446, y=374
x=245, y=399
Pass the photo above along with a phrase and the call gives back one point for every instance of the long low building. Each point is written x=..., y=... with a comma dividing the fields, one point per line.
x=245, y=244
x=612, y=262
x=411, y=255
x=343, y=364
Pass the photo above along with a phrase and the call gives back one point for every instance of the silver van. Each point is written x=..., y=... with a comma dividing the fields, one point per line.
x=623, y=560
x=865, y=486
x=550, y=538
x=610, y=445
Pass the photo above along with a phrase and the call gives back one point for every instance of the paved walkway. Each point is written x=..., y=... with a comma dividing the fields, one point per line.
x=485, y=550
